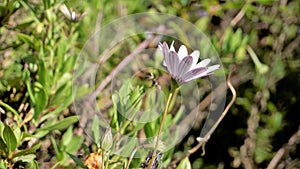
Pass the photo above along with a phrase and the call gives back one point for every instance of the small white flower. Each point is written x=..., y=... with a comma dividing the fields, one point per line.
x=183, y=67
x=71, y=15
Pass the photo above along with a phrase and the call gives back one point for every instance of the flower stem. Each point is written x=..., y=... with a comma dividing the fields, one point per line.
x=103, y=159
x=160, y=130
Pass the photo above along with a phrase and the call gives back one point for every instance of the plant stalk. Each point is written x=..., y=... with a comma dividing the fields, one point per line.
x=160, y=129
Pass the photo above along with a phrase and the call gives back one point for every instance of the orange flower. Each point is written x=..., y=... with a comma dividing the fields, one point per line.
x=93, y=161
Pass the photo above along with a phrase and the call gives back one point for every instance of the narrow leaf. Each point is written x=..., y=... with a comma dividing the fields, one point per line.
x=96, y=130
x=74, y=144
x=9, y=138
x=42, y=99
x=28, y=151
x=3, y=148
x=77, y=160
x=62, y=124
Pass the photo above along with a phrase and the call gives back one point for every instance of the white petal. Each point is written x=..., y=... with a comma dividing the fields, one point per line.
x=160, y=45
x=182, y=52
x=213, y=68
x=172, y=47
x=203, y=63
x=195, y=55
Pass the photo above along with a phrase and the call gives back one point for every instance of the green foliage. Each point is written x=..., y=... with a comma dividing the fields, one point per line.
x=184, y=164
x=69, y=144
x=9, y=141
x=39, y=48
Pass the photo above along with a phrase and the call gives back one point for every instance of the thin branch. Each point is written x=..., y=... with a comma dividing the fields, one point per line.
x=106, y=81
x=240, y=15
x=210, y=132
x=203, y=141
x=293, y=141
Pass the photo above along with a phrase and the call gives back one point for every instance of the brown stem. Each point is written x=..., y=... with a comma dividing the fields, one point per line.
x=160, y=129
x=293, y=141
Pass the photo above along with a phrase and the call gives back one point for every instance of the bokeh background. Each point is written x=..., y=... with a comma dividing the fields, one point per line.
x=258, y=39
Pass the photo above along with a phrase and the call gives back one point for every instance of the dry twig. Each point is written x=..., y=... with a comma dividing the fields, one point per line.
x=286, y=149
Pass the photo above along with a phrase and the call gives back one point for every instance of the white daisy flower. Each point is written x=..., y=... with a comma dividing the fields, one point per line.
x=184, y=67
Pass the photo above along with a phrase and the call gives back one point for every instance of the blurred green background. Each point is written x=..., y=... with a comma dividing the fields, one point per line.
x=260, y=39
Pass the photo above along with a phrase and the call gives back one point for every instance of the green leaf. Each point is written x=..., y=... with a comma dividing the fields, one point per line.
x=9, y=138
x=24, y=24
x=18, y=133
x=86, y=149
x=26, y=158
x=62, y=94
x=43, y=74
x=31, y=10
x=62, y=105
x=3, y=148
x=2, y=165
x=41, y=102
x=149, y=130
x=184, y=164
x=67, y=137
x=226, y=40
x=1, y=128
x=77, y=160
x=40, y=133
x=28, y=85
x=32, y=165
x=69, y=64
x=62, y=124
x=25, y=38
x=74, y=144
x=28, y=151
x=59, y=154
x=96, y=130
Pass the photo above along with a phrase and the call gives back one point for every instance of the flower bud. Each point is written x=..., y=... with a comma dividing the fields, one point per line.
x=107, y=140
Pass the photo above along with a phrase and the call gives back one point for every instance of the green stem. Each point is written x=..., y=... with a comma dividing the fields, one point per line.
x=9, y=108
x=106, y=161
x=262, y=68
x=103, y=158
x=160, y=129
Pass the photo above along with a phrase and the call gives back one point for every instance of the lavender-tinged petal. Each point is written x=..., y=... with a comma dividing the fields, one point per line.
x=195, y=72
x=166, y=53
x=174, y=62
x=204, y=74
x=168, y=62
x=209, y=71
x=182, y=52
x=165, y=48
x=184, y=65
